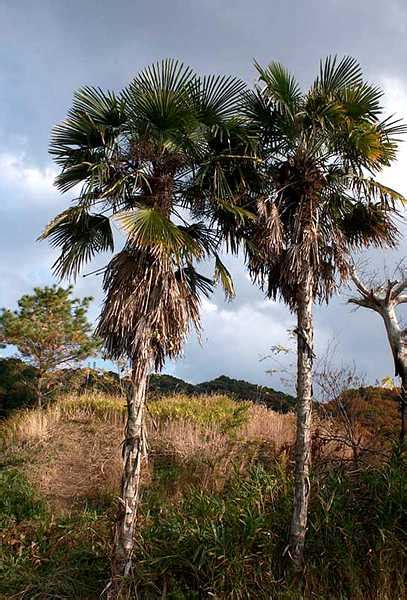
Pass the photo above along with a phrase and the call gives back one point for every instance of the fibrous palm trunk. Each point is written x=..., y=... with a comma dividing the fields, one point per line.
x=403, y=404
x=304, y=422
x=133, y=447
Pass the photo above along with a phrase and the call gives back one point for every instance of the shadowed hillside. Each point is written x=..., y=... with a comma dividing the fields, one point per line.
x=16, y=386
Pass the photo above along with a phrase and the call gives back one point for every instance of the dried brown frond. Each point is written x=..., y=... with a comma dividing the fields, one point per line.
x=148, y=309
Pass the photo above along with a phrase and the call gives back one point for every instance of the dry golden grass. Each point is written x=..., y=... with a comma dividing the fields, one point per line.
x=271, y=427
x=79, y=442
x=206, y=439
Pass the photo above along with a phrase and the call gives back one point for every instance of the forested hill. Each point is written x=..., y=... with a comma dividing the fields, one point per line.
x=238, y=388
x=16, y=388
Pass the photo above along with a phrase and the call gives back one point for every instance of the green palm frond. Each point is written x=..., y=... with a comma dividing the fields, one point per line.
x=322, y=112
x=80, y=236
x=158, y=102
x=241, y=214
x=368, y=190
x=223, y=276
x=93, y=121
x=164, y=78
x=256, y=109
x=393, y=129
x=102, y=107
x=86, y=140
x=361, y=101
x=280, y=87
x=196, y=282
x=335, y=74
x=206, y=237
x=216, y=98
x=149, y=228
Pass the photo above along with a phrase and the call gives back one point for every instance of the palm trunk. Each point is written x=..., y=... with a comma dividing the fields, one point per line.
x=403, y=403
x=304, y=421
x=129, y=492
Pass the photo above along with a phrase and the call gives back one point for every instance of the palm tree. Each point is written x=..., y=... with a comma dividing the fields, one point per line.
x=136, y=157
x=320, y=154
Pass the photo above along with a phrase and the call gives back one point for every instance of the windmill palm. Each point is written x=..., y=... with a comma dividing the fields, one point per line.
x=135, y=157
x=321, y=152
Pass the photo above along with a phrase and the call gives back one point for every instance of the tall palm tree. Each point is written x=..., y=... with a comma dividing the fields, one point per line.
x=135, y=157
x=321, y=151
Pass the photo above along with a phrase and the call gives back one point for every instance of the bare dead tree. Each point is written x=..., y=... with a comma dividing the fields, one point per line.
x=341, y=427
x=384, y=299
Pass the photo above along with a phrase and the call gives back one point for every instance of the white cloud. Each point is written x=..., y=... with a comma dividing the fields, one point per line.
x=395, y=103
x=20, y=175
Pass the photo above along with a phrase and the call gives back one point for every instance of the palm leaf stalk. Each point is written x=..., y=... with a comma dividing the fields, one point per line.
x=136, y=157
x=320, y=154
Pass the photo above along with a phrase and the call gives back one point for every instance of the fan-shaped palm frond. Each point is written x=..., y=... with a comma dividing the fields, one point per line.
x=368, y=189
x=337, y=74
x=216, y=98
x=281, y=88
x=204, y=236
x=159, y=104
x=85, y=141
x=148, y=227
x=196, y=282
x=361, y=101
x=81, y=236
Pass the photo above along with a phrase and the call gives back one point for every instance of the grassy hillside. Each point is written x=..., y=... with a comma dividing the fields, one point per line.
x=215, y=510
x=16, y=390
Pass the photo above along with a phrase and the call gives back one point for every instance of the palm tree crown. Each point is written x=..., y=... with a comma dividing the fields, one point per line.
x=136, y=157
x=321, y=151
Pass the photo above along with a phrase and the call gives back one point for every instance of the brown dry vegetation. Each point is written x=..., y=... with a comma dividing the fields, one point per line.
x=218, y=478
x=78, y=443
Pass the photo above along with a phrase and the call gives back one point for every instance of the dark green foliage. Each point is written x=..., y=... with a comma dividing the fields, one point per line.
x=231, y=545
x=211, y=544
x=17, y=381
x=18, y=501
x=167, y=384
x=51, y=331
x=65, y=559
x=243, y=390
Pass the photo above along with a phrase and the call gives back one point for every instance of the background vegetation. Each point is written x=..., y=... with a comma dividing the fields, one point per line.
x=217, y=492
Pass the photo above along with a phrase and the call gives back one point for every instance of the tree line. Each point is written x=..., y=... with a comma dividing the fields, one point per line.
x=189, y=166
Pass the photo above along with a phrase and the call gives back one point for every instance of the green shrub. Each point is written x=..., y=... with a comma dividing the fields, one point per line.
x=18, y=500
x=65, y=559
x=218, y=410
x=231, y=544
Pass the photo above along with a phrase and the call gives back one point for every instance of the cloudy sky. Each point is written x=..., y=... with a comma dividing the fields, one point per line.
x=52, y=47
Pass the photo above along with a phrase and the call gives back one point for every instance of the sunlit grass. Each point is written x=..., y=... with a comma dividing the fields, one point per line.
x=215, y=510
